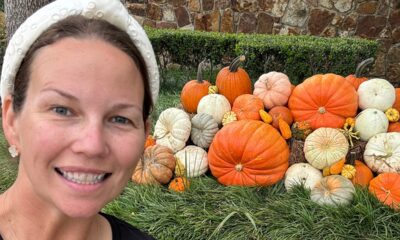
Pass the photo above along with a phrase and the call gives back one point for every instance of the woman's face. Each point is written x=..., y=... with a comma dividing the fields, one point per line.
x=80, y=132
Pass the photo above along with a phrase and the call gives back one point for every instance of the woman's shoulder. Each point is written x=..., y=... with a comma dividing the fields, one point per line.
x=122, y=230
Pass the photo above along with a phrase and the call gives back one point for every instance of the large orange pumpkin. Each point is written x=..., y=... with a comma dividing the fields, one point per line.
x=194, y=90
x=357, y=78
x=396, y=104
x=386, y=187
x=280, y=112
x=324, y=100
x=394, y=127
x=248, y=153
x=247, y=106
x=233, y=81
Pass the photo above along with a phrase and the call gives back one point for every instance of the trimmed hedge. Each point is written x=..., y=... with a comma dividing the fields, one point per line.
x=297, y=56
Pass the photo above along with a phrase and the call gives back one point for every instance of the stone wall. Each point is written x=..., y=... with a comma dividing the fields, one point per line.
x=372, y=19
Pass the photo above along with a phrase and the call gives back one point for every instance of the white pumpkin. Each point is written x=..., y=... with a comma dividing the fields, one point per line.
x=302, y=173
x=215, y=105
x=369, y=122
x=204, y=128
x=325, y=146
x=376, y=93
x=382, y=152
x=172, y=129
x=192, y=161
x=333, y=190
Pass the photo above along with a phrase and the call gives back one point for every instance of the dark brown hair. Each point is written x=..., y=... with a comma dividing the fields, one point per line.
x=81, y=27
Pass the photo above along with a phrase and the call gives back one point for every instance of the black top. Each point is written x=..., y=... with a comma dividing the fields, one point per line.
x=122, y=230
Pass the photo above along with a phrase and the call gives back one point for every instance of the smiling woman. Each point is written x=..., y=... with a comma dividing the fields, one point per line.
x=77, y=91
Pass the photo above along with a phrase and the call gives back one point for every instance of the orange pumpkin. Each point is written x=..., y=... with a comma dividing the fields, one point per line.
x=233, y=81
x=194, y=90
x=248, y=153
x=179, y=184
x=386, y=187
x=156, y=166
x=396, y=104
x=247, y=106
x=363, y=174
x=324, y=100
x=357, y=78
x=280, y=112
x=394, y=127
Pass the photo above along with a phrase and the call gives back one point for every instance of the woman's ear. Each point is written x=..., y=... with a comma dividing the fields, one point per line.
x=9, y=122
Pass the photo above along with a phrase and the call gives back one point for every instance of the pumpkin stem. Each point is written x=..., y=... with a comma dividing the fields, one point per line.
x=236, y=62
x=200, y=71
x=239, y=167
x=362, y=65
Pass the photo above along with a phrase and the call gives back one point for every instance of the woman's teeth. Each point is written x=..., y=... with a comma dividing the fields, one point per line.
x=82, y=178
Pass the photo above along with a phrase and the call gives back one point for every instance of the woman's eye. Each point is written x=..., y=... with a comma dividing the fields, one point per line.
x=120, y=120
x=62, y=111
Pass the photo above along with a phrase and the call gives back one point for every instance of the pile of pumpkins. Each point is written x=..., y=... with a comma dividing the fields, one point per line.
x=241, y=134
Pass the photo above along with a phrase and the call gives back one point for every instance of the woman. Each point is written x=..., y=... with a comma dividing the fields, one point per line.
x=77, y=86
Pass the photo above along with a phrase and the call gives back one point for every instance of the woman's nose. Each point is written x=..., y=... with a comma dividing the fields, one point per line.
x=91, y=140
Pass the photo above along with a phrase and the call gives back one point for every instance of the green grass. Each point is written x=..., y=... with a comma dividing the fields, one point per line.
x=213, y=211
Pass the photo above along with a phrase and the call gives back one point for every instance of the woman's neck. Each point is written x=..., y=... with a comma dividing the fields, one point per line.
x=23, y=215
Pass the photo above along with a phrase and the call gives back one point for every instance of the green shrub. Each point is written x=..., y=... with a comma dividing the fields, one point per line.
x=297, y=56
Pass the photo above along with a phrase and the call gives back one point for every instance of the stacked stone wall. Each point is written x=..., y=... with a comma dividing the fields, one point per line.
x=371, y=19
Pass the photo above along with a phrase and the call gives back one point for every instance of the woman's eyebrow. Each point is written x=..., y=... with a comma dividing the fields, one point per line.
x=60, y=92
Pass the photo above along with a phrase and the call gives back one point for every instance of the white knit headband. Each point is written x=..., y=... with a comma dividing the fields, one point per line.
x=112, y=11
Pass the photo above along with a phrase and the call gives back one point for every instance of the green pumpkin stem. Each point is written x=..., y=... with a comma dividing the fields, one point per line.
x=362, y=65
x=200, y=71
x=236, y=62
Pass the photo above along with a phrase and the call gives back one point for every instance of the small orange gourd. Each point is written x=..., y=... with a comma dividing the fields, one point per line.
x=284, y=128
x=179, y=184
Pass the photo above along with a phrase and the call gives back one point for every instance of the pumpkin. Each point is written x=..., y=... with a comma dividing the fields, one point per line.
x=248, y=153
x=212, y=89
x=204, y=127
x=302, y=173
x=386, y=188
x=348, y=171
x=382, y=152
x=337, y=167
x=150, y=141
x=300, y=130
x=396, y=103
x=357, y=78
x=215, y=105
x=394, y=127
x=376, y=93
x=280, y=112
x=194, y=90
x=172, y=128
x=229, y=117
x=392, y=114
x=284, y=128
x=333, y=190
x=156, y=166
x=179, y=184
x=274, y=88
x=363, y=174
x=233, y=81
x=265, y=116
x=324, y=100
x=370, y=122
x=192, y=160
x=247, y=106
x=324, y=147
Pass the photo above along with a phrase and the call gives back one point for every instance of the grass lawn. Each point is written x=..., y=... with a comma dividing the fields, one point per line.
x=209, y=210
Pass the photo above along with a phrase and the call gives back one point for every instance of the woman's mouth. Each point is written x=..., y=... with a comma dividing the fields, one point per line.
x=83, y=177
